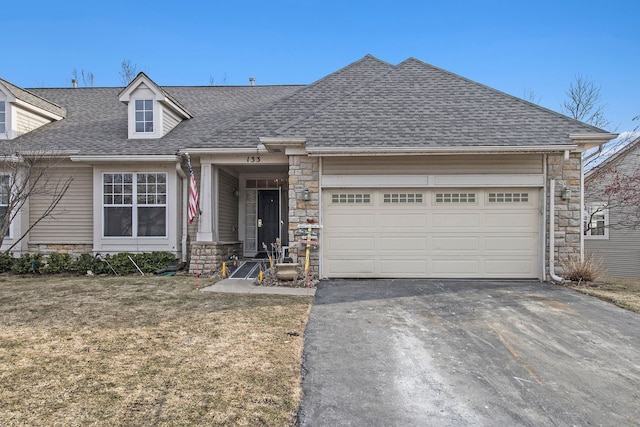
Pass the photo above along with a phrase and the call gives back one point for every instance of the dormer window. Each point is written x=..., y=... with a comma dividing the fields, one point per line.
x=144, y=115
x=151, y=111
x=3, y=117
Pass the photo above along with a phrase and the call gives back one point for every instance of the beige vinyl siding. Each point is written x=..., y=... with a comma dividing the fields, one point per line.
x=620, y=252
x=27, y=121
x=72, y=221
x=407, y=165
x=170, y=121
x=228, y=208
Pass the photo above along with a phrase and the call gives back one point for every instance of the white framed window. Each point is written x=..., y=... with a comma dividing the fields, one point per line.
x=5, y=192
x=144, y=115
x=134, y=204
x=351, y=198
x=3, y=117
x=596, y=224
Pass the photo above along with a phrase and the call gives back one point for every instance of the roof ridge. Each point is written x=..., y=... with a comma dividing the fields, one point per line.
x=296, y=93
x=332, y=101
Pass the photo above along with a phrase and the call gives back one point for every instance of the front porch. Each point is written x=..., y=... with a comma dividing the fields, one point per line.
x=247, y=202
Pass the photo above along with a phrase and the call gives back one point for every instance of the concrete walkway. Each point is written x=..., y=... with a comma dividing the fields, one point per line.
x=241, y=286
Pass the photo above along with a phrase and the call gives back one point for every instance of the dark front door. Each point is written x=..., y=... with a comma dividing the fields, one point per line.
x=268, y=217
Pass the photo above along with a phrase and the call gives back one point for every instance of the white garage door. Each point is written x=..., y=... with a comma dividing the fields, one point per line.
x=431, y=233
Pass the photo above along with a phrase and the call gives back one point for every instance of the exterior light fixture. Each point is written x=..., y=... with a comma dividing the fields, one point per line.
x=306, y=195
x=235, y=192
x=566, y=193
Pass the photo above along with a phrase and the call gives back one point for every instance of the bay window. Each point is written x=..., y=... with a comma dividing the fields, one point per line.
x=135, y=204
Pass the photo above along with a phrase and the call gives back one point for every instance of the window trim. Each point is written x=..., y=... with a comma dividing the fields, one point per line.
x=590, y=208
x=3, y=117
x=134, y=205
x=10, y=180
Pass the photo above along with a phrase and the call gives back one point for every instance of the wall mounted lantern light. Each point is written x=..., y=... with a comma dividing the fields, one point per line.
x=235, y=192
x=306, y=195
x=566, y=193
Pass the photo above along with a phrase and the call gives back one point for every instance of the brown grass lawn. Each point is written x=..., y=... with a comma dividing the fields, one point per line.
x=624, y=293
x=142, y=351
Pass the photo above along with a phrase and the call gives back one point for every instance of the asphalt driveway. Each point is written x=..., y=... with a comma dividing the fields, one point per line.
x=456, y=353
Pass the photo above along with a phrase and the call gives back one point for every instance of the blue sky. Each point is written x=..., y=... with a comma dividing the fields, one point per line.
x=512, y=46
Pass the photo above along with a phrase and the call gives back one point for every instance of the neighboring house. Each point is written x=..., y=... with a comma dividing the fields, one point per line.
x=612, y=212
x=411, y=171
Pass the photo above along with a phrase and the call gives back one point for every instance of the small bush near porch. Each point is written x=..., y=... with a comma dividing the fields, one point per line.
x=146, y=351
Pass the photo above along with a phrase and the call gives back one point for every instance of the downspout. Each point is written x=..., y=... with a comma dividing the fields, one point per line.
x=552, y=226
x=185, y=204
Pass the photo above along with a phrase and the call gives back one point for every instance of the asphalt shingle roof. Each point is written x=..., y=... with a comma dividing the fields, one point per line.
x=367, y=104
x=96, y=123
x=418, y=105
x=33, y=99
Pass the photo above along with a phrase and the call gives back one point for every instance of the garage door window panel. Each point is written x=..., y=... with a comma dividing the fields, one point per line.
x=351, y=198
x=442, y=198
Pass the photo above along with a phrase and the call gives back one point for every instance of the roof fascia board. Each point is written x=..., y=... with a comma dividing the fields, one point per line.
x=126, y=159
x=590, y=140
x=284, y=144
x=369, y=151
x=37, y=110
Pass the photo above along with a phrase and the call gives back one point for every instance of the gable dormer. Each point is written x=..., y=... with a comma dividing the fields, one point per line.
x=152, y=112
x=22, y=111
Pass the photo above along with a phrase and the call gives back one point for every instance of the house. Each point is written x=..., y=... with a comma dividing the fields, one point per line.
x=409, y=170
x=612, y=212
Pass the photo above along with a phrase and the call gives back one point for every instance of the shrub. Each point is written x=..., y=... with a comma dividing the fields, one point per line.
x=587, y=270
x=27, y=263
x=6, y=262
x=57, y=263
x=88, y=262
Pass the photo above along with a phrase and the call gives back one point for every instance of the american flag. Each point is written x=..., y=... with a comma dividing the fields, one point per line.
x=193, y=194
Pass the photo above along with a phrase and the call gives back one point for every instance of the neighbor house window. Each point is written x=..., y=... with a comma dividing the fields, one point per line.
x=3, y=117
x=144, y=115
x=135, y=205
x=5, y=188
x=597, y=221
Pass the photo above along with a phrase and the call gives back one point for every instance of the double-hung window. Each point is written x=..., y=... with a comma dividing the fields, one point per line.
x=597, y=221
x=144, y=115
x=3, y=117
x=135, y=204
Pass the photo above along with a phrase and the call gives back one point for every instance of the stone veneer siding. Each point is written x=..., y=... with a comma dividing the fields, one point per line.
x=207, y=257
x=568, y=213
x=303, y=173
x=75, y=249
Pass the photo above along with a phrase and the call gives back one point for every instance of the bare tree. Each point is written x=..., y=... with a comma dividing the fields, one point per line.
x=87, y=77
x=531, y=96
x=584, y=102
x=25, y=176
x=614, y=186
x=127, y=72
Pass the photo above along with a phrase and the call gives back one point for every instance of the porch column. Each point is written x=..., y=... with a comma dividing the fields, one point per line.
x=205, y=222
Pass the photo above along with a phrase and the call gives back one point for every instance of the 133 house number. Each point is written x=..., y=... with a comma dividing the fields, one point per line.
x=253, y=159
